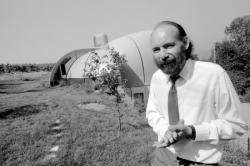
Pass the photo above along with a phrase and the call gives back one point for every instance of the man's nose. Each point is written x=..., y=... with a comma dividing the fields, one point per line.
x=164, y=54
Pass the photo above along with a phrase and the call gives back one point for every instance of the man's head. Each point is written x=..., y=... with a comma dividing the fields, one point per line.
x=171, y=47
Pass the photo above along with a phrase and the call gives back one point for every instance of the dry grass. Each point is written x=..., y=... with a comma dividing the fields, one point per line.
x=86, y=137
x=236, y=152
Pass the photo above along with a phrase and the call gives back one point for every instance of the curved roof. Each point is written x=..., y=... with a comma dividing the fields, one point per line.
x=137, y=50
x=67, y=60
x=139, y=55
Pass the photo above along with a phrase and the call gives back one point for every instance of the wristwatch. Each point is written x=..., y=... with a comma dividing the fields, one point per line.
x=193, y=135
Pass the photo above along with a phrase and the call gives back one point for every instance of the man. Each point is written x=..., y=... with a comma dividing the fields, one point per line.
x=192, y=105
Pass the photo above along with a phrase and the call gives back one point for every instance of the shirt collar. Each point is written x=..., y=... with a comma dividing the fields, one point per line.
x=185, y=72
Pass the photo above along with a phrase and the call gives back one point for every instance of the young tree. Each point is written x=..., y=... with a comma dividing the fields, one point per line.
x=105, y=71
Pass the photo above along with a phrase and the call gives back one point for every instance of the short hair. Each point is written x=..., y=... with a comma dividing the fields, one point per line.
x=182, y=34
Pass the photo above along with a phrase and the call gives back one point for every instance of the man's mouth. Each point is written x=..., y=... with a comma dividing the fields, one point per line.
x=170, y=62
x=167, y=62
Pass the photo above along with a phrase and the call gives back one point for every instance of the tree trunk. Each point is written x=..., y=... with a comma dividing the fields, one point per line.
x=118, y=110
x=119, y=118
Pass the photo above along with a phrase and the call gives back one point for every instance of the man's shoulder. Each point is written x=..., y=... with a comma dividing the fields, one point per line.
x=208, y=67
x=158, y=75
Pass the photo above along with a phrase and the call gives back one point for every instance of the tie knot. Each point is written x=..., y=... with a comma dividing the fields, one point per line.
x=174, y=78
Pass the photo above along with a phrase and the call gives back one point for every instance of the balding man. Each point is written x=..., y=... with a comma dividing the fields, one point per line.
x=192, y=105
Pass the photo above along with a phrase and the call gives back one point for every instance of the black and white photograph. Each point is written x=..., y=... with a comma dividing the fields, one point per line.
x=124, y=83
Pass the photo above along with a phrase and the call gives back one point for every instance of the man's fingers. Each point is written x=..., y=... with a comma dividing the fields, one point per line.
x=180, y=133
x=175, y=128
x=167, y=137
x=157, y=144
x=160, y=145
x=174, y=135
x=161, y=141
x=170, y=139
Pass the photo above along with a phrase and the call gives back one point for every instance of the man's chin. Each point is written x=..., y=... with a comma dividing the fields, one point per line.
x=168, y=71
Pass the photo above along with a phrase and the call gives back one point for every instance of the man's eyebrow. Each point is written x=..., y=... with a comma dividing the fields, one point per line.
x=168, y=44
x=165, y=45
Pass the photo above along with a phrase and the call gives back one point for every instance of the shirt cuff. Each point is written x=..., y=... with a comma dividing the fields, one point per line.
x=202, y=132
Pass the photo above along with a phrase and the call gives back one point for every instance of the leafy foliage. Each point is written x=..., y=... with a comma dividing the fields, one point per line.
x=10, y=68
x=233, y=54
x=105, y=71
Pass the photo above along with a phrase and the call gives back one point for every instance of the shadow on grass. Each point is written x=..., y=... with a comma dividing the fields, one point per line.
x=39, y=89
x=139, y=126
x=25, y=110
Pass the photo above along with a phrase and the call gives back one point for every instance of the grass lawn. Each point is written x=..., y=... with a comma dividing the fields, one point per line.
x=44, y=126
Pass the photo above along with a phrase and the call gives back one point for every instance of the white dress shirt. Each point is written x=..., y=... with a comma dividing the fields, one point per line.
x=207, y=100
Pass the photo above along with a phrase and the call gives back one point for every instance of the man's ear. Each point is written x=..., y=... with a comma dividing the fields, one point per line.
x=186, y=41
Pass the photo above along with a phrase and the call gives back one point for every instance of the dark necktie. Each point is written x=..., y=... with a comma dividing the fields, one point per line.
x=173, y=110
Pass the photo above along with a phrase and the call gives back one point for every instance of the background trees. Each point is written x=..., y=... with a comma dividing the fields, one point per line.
x=233, y=54
x=10, y=68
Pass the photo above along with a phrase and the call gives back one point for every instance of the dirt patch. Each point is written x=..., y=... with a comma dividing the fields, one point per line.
x=21, y=83
x=22, y=111
x=93, y=106
x=8, y=85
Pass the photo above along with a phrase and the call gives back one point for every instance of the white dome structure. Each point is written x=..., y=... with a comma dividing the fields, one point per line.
x=137, y=71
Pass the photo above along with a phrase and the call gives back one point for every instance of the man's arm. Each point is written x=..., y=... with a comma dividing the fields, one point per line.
x=229, y=123
x=155, y=119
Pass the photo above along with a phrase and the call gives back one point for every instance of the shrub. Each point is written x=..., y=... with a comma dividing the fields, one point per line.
x=105, y=71
x=10, y=68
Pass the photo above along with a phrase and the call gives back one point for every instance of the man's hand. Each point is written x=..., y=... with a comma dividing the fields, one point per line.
x=174, y=134
x=180, y=127
x=169, y=139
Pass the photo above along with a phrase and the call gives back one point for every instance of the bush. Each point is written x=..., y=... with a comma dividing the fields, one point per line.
x=10, y=68
x=233, y=54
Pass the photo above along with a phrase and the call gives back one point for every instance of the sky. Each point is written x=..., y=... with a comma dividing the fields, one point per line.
x=42, y=31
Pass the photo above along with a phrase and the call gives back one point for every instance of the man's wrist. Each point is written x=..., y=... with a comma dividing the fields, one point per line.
x=191, y=132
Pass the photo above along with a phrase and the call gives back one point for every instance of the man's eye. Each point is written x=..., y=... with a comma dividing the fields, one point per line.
x=155, y=50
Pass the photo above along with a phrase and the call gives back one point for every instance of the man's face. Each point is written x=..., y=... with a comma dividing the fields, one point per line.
x=168, y=49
